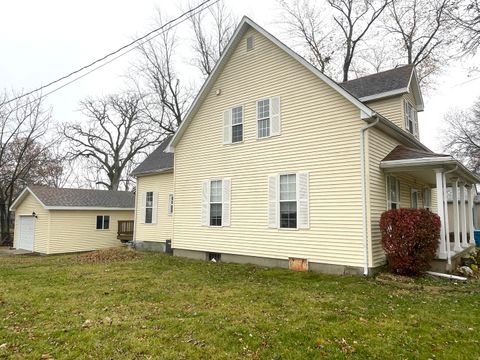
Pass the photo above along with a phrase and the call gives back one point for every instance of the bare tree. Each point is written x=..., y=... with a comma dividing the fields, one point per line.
x=24, y=151
x=463, y=135
x=117, y=131
x=423, y=30
x=212, y=31
x=164, y=96
x=467, y=16
x=355, y=18
x=308, y=23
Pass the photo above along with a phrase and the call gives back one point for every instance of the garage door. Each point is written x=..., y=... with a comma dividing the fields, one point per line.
x=27, y=233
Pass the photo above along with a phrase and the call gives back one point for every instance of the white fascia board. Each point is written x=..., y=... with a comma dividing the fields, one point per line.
x=444, y=160
x=88, y=208
x=153, y=172
x=244, y=24
x=384, y=94
x=22, y=195
x=419, y=97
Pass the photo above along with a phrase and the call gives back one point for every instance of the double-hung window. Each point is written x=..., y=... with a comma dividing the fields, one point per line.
x=263, y=118
x=288, y=201
x=414, y=198
x=170, y=204
x=393, y=192
x=103, y=222
x=149, y=207
x=216, y=203
x=427, y=198
x=410, y=118
x=233, y=125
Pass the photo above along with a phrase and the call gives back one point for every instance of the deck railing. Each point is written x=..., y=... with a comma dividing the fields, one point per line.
x=125, y=230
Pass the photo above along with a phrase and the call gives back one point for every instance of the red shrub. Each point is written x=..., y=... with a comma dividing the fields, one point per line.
x=409, y=239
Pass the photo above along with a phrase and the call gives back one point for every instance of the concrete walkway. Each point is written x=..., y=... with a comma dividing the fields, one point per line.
x=6, y=251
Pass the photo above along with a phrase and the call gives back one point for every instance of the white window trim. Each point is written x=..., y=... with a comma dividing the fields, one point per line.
x=414, y=120
x=414, y=191
x=148, y=207
x=103, y=222
x=210, y=203
x=389, y=202
x=280, y=201
x=264, y=118
x=230, y=110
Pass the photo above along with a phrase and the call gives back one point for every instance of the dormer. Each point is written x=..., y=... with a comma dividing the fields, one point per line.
x=394, y=93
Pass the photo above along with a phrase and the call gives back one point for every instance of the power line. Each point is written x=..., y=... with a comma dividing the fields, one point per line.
x=188, y=13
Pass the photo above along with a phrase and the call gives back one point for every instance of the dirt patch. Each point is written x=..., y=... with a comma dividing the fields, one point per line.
x=108, y=255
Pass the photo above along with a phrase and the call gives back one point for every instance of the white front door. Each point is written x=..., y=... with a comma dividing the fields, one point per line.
x=27, y=233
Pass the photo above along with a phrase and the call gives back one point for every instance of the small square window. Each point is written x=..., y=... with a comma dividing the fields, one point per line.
x=103, y=222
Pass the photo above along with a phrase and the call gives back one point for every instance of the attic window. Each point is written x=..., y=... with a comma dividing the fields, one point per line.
x=249, y=43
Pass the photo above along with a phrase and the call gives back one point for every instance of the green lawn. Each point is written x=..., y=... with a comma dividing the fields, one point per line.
x=155, y=306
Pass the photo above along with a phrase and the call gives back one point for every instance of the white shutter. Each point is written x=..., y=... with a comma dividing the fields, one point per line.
x=154, y=207
x=275, y=123
x=142, y=207
x=205, y=202
x=303, y=201
x=227, y=126
x=226, y=194
x=273, y=201
x=415, y=123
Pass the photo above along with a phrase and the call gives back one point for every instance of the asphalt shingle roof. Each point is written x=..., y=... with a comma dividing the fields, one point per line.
x=402, y=153
x=157, y=161
x=84, y=197
x=381, y=82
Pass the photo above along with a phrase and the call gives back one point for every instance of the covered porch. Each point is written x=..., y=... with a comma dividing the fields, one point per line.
x=438, y=172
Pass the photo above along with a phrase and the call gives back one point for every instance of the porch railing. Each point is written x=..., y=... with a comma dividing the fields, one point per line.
x=125, y=230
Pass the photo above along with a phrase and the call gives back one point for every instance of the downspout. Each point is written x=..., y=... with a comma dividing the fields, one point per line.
x=364, y=193
x=445, y=216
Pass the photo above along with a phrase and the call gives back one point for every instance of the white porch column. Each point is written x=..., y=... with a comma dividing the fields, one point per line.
x=445, y=216
x=463, y=218
x=456, y=218
x=470, y=214
x=442, y=253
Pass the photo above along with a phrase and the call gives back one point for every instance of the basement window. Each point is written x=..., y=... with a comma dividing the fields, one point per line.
x=214, y=257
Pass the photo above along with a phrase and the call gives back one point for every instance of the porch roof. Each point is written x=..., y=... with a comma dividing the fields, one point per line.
x=423, y=165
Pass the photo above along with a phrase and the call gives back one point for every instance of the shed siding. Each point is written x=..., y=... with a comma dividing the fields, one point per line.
x=75, y=230
x=162, y=184
x=27, y=207
x=332, y=157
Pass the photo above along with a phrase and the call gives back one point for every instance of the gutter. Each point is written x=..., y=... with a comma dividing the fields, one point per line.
x=364, y=192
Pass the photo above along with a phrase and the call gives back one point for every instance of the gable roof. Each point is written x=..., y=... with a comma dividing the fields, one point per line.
x=401, y=152
x=385, y=84
x=245, y=24
x=157, y=162
x=391, y=80
x=63, y=198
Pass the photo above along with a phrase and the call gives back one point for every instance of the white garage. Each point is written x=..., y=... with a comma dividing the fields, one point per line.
x=26, y=233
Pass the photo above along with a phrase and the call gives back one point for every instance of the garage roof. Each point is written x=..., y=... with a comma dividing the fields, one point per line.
x=64, y=198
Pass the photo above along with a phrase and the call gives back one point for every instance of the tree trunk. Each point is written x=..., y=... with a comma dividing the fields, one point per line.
x=5, y=238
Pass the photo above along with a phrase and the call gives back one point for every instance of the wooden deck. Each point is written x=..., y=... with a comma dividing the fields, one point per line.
x=125, y=230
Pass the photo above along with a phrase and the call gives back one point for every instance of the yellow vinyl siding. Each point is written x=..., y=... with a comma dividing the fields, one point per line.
x=27, y=207
x=378, y=146
x=75, y=230
x=391, y=108
x=162, y=184
x=332, y=158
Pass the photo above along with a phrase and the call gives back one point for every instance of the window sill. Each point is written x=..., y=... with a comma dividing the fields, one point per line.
x=234, y=143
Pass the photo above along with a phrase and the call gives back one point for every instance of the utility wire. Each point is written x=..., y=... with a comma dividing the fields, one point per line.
x=170, y=23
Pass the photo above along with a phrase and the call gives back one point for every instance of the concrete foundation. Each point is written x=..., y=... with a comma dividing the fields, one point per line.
x=277, y=263
x=156, y=246
x=441, y=265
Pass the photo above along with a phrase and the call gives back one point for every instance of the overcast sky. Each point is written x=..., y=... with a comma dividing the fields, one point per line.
x=43, y=40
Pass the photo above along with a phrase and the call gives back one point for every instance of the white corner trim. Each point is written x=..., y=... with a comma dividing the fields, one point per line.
x=241, y=28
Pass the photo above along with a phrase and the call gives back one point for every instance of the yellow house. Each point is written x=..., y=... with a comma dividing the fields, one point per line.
x=154, y=201
x=277, y=164
x=52, y=220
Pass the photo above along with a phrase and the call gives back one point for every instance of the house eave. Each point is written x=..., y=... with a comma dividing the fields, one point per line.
x=152, y=172
x=92, y=208
x=383, y=95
